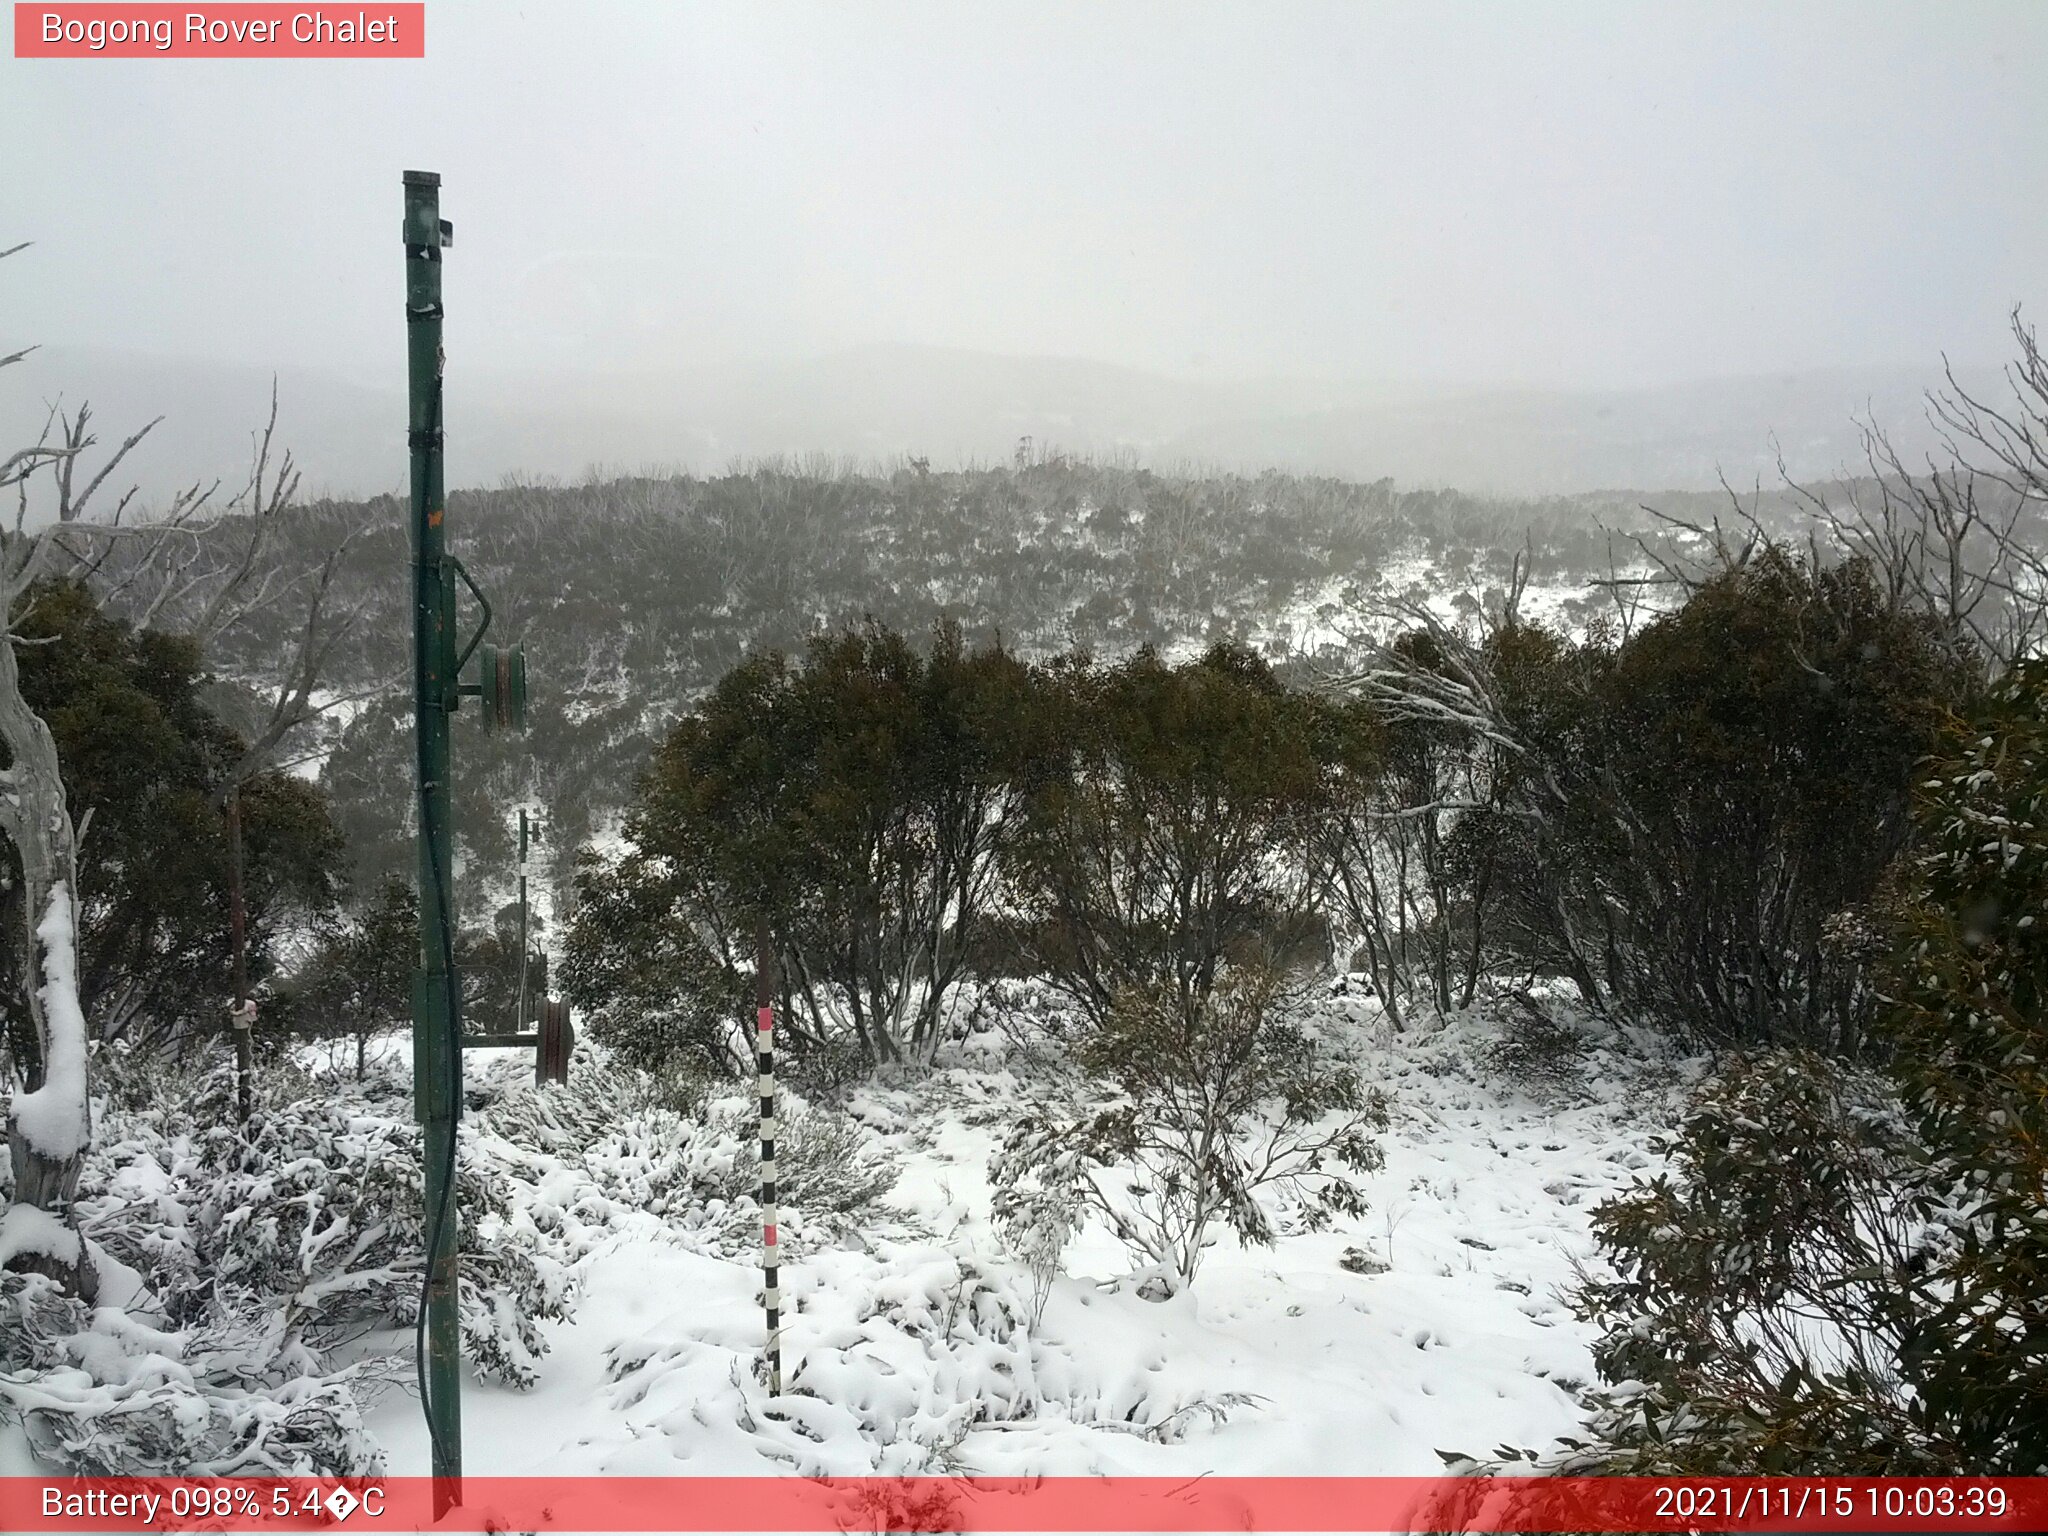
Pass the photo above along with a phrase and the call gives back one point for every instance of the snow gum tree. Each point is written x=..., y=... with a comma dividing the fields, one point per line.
x=1419, y=772
x=856, y=800
x=60, y=536
x=49, y=1119
x=1169, y=829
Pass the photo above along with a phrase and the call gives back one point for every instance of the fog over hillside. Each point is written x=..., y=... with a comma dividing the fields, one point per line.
x=1261, y=764
x=959, y=407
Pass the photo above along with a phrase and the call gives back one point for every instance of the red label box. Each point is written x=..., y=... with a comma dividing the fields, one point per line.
x=1526, y=1505
x=243, y=31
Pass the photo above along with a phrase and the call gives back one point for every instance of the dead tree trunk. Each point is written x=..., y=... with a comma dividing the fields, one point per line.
x=48, y=1127
x=238, y=928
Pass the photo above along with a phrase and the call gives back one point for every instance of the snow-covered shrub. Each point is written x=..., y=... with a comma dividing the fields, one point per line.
x=263, y=1246
x=965, y=1329
x=130, y=1082
x=563, y=1118
x=662, y=1162
x=1360, y=1261
x=824, y=1163
x=104, y=1395
x=705, y=1171
x=1037, y=1027
x=824, y=1071
x=1037, y=1223
x=1175, y=1126
x=903, y=1352
x=311, y=1215
x=1532, y=1043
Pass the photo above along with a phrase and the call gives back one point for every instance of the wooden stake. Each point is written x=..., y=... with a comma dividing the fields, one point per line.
x=241, y=1015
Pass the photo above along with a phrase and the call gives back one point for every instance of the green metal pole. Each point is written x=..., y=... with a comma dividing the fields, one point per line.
x=437, y=1061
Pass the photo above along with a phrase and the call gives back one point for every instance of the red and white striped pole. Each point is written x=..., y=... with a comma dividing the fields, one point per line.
x=764, y=1066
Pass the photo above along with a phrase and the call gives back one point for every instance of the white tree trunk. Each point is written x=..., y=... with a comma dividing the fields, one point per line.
x=49, y=1125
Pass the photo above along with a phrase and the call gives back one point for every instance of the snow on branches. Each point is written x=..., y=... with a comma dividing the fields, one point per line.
x=54, y=1118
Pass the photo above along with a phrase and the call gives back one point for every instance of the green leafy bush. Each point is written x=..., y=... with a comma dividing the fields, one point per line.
x=1847, y=1272
x=1165, y=829
x=854, y=804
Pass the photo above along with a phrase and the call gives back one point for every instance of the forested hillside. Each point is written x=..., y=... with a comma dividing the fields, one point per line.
x=1235, y=767
x=1094, y=818
x=632, y=596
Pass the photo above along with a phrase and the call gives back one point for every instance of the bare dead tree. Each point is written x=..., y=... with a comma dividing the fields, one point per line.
x=221, y=581
x=49, y=1118
x=1960, y=538
x=173, y=557
x=1385, y=851
x=1627, y=592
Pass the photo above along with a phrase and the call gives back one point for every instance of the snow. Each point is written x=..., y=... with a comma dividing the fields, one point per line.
x=332, y=714
x=26, y=1231
x=53, y=1119
x=1345, y=612
x=1438, y=1321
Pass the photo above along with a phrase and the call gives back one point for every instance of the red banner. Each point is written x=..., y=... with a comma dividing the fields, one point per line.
x=255, y=31
x=1140, y=1504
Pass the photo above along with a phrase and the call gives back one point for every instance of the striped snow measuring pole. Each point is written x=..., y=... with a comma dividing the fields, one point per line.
x=764, y=1065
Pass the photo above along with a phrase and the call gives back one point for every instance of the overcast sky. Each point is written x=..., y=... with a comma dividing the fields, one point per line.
x=1568, y=194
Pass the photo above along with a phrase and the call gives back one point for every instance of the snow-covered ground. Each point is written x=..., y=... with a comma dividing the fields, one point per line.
x=1347, y=613
x=911, y=1349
